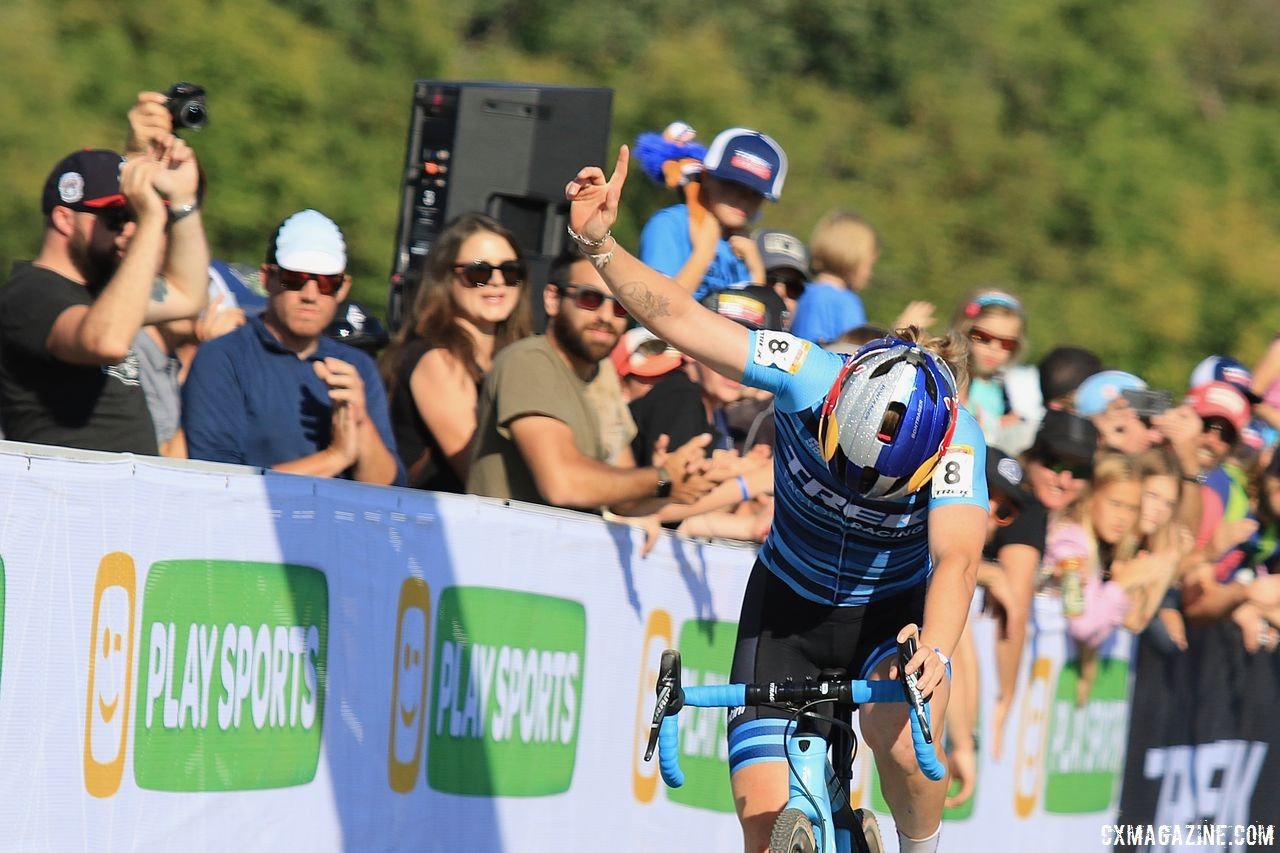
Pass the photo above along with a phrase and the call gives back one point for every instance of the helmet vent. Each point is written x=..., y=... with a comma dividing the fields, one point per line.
x=891, y=422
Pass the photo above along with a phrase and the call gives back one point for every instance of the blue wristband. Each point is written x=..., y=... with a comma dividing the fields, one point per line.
x=742, y=486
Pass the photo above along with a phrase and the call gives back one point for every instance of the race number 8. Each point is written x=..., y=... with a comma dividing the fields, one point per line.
x=953, y=477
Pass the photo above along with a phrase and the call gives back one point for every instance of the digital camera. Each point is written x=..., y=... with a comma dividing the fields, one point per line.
x=187, y=106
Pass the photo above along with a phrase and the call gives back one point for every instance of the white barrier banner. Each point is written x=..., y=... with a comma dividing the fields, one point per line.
x=227, y=661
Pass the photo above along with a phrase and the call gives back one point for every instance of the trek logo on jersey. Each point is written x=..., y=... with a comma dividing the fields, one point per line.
x=110, y=674
x=706, y=653
x=409, y=685
x=232, y=674
x=864, y=519
x=1086, y=745
x=506, y=703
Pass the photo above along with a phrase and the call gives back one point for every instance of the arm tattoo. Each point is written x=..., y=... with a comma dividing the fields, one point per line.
x=647, y=303
x=159, y=289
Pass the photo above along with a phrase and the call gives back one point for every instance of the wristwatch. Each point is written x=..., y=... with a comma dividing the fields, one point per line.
x=1195, y=478
x=664, y=483
x=182, y=211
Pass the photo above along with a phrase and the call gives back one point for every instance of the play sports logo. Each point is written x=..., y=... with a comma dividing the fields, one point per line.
x=706, y=653
x=507, y=673
x=1068, y=754
x=231, y=675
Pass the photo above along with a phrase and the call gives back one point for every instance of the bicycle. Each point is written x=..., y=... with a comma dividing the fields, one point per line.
x=818, y=817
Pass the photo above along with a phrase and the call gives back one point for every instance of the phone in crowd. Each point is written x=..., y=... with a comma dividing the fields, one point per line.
x=1148, y=402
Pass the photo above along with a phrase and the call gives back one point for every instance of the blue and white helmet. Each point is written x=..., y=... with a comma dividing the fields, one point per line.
x=888, y=419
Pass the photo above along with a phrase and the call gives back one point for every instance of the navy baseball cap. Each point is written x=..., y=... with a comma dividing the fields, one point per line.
x=750, y=158
x=1224, y=368
x=87, y=181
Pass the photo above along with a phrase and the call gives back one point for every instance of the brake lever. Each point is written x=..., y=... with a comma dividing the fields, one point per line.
x=906, y=651
x=670, y=697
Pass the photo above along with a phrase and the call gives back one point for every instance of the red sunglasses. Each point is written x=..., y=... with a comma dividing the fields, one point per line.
x=294, y=280
x=981, y=336
x=589, y=299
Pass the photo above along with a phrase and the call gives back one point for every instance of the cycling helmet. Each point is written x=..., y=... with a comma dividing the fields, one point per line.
x=888, y=418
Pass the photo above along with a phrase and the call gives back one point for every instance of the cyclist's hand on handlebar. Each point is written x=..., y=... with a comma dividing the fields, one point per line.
x=926, y=659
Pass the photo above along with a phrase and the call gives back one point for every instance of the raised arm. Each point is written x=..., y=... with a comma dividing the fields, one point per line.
x=656, y=301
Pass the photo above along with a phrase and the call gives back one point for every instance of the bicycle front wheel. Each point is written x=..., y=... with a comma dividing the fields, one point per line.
x=792, y=833
x=868, y=837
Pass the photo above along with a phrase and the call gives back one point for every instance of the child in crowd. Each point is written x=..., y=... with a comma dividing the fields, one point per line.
x=707, y=247
x=995, y=325
x=1080, y=551
x=843, y=250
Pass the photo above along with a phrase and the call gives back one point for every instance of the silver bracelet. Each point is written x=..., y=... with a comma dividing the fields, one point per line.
x=181, y=212
x=602, y=260
x=586, y=243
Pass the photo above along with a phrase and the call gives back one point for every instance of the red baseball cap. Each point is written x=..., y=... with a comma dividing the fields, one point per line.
x=642, y=353
x=1221, y=400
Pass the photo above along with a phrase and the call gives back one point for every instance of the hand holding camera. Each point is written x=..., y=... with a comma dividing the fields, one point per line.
x=156, y=115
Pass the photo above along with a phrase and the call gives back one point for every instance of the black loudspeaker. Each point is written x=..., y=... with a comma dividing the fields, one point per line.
x=505, y=149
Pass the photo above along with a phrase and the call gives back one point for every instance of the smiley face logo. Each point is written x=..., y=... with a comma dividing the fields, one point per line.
x=1028, y=768
x=409, y=685
x=106, y=730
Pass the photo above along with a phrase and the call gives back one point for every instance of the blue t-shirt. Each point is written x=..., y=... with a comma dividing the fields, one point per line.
x=250, y=401
x=826, y=545
x=825, y=312
x=665, y=245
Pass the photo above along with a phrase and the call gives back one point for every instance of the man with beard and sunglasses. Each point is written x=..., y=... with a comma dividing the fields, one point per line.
x=538, y=435
x=278, y=392
x=123, y=247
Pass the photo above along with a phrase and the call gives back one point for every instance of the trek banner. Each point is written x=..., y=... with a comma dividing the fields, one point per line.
x=210, y=658
x=1204, y=745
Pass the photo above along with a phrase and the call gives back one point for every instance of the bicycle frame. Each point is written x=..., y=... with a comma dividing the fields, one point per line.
x=809, y=770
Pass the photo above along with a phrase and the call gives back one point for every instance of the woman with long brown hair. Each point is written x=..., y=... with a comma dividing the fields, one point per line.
x=472, y=302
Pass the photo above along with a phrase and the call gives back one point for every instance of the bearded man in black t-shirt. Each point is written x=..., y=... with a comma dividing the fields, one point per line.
x=123, y=246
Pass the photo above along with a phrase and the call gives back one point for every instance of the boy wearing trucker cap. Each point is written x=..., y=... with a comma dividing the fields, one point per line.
x=707, y=248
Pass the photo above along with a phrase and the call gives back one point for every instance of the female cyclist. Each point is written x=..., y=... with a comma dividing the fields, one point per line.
x=880, y=514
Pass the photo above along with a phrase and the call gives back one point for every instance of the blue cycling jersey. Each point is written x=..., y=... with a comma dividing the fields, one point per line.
x=826, y=544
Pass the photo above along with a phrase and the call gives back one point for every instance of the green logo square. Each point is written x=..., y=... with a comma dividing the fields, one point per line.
x=507, y=693
x=231, y=676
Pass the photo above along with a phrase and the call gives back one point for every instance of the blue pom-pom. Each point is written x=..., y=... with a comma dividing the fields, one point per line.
x=653, y=150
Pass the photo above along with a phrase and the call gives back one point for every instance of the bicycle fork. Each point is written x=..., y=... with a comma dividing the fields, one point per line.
x=831, y=815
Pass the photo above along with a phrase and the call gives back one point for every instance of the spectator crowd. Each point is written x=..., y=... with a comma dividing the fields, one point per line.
x=1131, y=507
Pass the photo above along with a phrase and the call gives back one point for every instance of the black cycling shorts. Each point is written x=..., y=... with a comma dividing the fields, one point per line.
x=781, y=635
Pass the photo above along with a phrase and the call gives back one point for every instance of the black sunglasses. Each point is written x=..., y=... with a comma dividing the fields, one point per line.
x=1056, y=464
x=589, y=299
x=1222, y=427
x=480, y=273
x=115, y=218
x=1006, y=511
x=794, y=284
